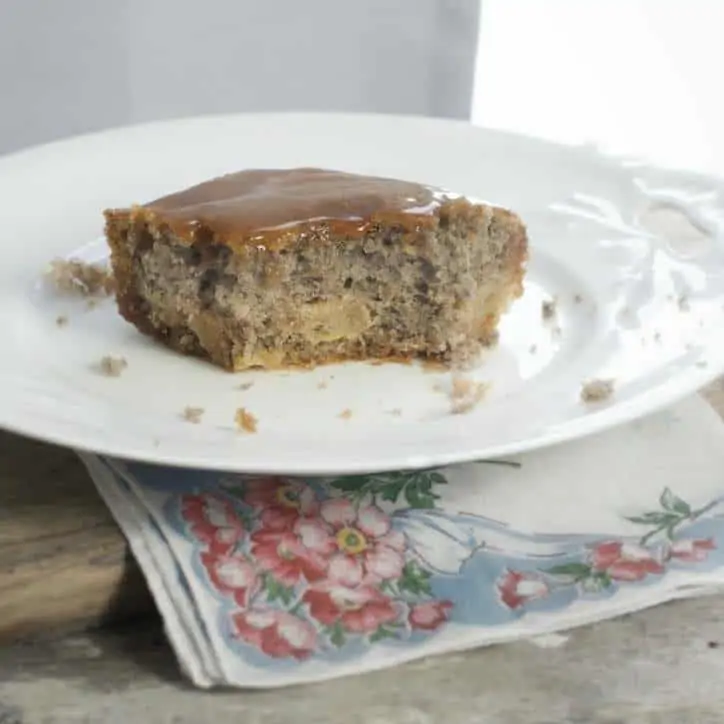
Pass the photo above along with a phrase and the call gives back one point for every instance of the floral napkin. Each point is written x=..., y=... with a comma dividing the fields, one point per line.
x=270, y=581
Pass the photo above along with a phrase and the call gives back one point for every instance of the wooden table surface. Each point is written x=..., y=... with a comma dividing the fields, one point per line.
x=65, y=569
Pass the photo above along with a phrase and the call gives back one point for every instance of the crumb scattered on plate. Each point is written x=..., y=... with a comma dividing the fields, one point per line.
x=345, y=414
x=596, y=390
x=322, y=385
x=245, y=386
x=548, y=309
x=72, y=276
x=577, y=298
x=61, y=320
x=193, y=414
x=465, y=394
x=533, y=349
x=396, y=412
x=112, y=366
x=682, y=302
x=245, y=421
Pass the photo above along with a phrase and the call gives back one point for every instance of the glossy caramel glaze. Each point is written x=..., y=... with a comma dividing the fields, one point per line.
x=268, y=207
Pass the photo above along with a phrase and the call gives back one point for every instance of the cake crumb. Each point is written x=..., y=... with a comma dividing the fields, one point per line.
x=245, y=386
x=72, y=276
x=193, y=414
x=61, y=320
x=596, y=390
x=345, y=414
x=465, y=394
x=548, y=309
x=682, y=302
x=577, y=298
x=245, y=421
x=396, y=412
x=322, y=385
x=112, y=366
x=533, y=349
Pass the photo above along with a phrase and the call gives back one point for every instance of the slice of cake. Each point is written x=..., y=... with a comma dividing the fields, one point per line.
x=305, y=266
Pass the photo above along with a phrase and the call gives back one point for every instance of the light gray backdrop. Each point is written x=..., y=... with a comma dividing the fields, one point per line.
x=69, y=66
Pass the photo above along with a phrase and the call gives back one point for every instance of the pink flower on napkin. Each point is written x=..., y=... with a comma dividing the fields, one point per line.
x=288, y=555
x=233, y=575
x=280, y=501
x=429, y=615
x=360, y=609
x=624, y=561
x=213, y=521
x=366, y=546
x=691, y=550
x=516, y=588
x=277, y=633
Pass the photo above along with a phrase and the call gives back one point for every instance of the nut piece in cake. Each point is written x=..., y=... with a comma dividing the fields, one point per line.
x=300, y=267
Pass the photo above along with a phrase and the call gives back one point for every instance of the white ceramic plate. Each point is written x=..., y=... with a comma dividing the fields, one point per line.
x=640, y=294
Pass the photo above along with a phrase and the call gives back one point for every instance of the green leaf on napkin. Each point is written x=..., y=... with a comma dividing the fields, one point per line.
x=415, y=579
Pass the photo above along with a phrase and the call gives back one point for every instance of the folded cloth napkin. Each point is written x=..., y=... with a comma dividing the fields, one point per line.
x=271, y=581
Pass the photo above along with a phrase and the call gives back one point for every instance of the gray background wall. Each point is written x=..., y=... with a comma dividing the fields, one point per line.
x=69, y=66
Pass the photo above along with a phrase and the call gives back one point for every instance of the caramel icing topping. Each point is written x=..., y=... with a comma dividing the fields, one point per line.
x=266, y=206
